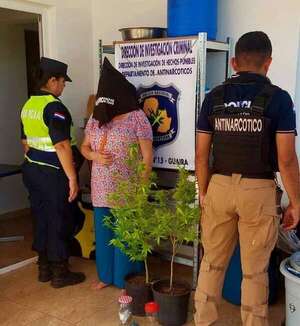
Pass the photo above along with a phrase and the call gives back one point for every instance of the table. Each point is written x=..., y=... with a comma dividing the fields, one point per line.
x=7, y=170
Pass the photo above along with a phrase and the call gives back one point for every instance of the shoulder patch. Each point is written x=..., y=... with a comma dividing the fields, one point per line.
x=59, y=115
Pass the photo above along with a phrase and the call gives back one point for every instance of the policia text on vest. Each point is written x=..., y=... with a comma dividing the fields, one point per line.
x=32, y=116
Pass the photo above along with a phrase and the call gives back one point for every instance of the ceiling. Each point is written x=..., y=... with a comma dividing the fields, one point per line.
x=17, y=17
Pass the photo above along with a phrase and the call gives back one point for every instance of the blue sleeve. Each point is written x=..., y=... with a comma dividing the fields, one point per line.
x=203, y=123
x=286, y=122
x=58, y=120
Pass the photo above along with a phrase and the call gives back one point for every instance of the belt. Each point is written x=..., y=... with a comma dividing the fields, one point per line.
x=41, y=163
x=268, y=175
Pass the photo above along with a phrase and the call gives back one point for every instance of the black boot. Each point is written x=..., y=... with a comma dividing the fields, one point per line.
x=63, y=277
x=45, y=273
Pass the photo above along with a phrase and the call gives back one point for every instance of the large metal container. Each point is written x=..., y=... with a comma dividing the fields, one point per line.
x=140, y=33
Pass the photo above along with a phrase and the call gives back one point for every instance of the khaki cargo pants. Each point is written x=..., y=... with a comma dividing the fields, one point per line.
x=245, y=209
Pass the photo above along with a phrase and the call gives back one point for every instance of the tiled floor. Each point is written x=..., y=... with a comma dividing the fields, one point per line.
x=16, y=251
x=24, y=301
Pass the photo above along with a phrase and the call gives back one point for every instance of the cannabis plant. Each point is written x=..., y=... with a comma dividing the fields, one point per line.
x=179, y=214
x=136, y=227
x=143, y=215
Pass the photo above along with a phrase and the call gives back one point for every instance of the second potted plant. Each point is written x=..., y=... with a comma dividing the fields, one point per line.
x=179, y=215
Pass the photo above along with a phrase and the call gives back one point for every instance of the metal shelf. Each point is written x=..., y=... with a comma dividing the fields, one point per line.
x=108, y=49
x=218, y=46
x=211, y=46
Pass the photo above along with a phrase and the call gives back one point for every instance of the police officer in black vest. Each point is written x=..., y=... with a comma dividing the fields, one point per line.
x=248, y=125
x=49, y=173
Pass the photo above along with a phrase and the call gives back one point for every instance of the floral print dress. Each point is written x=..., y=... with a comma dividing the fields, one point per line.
x=115, y=138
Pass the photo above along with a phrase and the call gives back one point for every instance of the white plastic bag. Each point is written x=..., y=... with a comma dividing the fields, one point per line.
x=288, y=241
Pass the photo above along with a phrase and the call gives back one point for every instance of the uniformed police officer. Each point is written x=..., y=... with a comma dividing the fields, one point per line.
x=49, y=173
x=249, y=124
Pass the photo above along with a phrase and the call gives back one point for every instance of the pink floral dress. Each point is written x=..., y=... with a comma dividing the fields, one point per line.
x=119, y=134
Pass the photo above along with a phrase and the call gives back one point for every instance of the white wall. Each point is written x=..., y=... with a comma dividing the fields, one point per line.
x=297, y=93
x=279, y=19
x=74, y=46
x=13, y=85
x=109, y=16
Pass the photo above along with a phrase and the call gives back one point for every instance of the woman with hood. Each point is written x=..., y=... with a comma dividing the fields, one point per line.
x=116, y=124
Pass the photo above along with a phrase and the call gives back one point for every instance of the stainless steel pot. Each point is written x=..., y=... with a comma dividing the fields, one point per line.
x=139, y=33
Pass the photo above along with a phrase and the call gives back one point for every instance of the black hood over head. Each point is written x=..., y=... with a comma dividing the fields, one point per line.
x=115, y=95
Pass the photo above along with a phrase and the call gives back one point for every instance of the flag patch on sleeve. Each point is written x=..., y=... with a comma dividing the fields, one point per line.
x=59, y=116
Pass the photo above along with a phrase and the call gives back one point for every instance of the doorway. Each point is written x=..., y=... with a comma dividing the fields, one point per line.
x=20, y=53
x=32, y=51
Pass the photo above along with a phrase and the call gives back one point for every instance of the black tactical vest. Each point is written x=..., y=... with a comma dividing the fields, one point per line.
x=242, y=140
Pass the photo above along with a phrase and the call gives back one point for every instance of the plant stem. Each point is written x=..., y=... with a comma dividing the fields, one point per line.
x=172, y=262
x=147, y=271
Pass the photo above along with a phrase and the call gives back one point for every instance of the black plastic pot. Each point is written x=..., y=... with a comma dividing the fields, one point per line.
x=139, y=291
x=173, y=308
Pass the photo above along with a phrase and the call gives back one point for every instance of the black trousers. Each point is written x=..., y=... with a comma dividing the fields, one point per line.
x=53, y=219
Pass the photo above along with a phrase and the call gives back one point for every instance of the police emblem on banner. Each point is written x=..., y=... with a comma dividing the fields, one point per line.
x=160, y=105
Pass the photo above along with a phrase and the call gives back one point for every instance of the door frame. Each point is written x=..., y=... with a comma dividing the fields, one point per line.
x=47, y=21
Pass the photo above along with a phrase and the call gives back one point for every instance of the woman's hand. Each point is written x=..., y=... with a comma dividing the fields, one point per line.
x=102, y=157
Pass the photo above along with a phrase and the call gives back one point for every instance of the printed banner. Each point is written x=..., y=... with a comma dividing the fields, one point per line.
x=164, y=73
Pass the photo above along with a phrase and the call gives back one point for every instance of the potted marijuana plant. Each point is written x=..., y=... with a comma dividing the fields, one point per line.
x=135, y=226
x=179, y=214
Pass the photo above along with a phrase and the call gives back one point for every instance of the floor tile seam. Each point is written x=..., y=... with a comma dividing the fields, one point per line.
x=26, y=305
x=87, y=317
x=31, y=307
x=97, y=310
x=49, y=315
x=18, y=302
x=29, y=322
x=79, y=320
x=13, y=301
x=34, y=310
x=55, y=316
